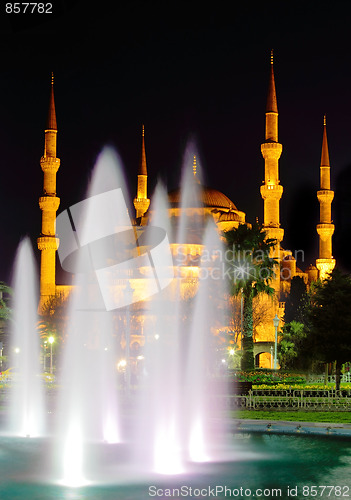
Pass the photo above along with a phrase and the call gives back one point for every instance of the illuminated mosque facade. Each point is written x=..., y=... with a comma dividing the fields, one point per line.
x=226, y=216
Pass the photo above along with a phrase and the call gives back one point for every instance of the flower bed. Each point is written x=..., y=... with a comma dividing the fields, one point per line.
x=305, y=387
x=269, y=378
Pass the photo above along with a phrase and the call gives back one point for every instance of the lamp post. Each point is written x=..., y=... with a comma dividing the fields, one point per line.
x=271, y=356
x=1, y=349
x=44, y=364
x=276, y=324
x=17, y=361
x=51, y=340
x=128, y=294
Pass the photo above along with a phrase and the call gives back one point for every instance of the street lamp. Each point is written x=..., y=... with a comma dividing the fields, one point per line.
x=44, y=367
x=276, y=324
x=51, y=340
x=271, y=356
x=17, y=361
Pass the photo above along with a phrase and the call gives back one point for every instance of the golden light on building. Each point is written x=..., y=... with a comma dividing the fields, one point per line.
x=49, y=203
x=325, y=229
x=211, y=204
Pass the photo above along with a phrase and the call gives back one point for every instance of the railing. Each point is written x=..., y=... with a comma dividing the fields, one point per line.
x=291, y=400
x=320, y=379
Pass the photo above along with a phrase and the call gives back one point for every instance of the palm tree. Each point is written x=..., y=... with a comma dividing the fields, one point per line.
x=251, y=269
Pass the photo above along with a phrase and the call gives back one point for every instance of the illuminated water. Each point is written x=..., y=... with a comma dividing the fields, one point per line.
x=269, y=463
x=26, y=415
x=108, y=443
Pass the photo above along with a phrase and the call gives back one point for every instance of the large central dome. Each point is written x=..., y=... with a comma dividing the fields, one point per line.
x=210, y=198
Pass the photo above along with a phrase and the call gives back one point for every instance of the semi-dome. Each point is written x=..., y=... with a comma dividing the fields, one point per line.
x=229, y=216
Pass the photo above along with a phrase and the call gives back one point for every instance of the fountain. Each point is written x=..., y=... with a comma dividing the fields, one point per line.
x=173, y=401
x=26, y=416
x=168, y=436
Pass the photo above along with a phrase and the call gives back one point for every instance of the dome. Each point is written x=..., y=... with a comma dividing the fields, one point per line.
x=289, y=257
x=210, y=198
x=311, y=267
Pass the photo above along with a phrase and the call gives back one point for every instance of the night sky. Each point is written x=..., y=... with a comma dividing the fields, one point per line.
x=188, y=71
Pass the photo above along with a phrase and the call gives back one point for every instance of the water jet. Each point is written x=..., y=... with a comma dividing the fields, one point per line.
x=167, y=432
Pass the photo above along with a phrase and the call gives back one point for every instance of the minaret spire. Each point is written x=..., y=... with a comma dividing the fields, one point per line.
x=194, y=166
x=141, y=201
x=271, y=190
x=325, y=163
x=271, y=96
x=325, y=229
x=195, y=178
x=49, y=203
x=142, y=170
x=51, y=119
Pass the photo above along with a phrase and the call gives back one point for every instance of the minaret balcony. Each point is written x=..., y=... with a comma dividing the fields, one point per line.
x=271, y=191
x=49, y=163
x=49, y=203
x=48, y=243
x=325, y=231
x=271, y=150
x=325, y=267
x=325, y=196
x=141, y=204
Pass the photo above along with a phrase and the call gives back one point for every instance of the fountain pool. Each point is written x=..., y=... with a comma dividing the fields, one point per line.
x=276, y=465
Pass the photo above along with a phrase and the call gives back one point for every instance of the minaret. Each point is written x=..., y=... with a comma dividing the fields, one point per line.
x=271, y=190
x=49, y=203
x=141, y=201
x=325, y=229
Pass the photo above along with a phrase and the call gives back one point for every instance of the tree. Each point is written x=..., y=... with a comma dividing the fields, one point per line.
x=296, y=301
x=290, y=347
x=329, y=318
x=5, y=311
x=5, y=316
x=53, y=321
x=251, y=269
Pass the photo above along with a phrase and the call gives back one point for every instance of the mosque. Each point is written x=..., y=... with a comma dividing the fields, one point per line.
x=225, y=215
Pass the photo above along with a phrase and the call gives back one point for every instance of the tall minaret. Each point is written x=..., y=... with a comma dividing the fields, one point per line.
x=49, y=203
x=325, y=229
x=141, y=201
x=271, y=190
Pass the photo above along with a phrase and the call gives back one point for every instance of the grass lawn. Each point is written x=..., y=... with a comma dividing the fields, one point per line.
x=296, y=416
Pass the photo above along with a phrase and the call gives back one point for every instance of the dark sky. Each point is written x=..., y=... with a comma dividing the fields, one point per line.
x=187, y=70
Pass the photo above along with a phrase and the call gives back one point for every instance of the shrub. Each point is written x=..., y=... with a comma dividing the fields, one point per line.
x=267, y=377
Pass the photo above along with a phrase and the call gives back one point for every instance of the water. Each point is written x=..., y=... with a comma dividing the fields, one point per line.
x=107, y=442
x=171, y=427
x=26, y=416
x=270, y=463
